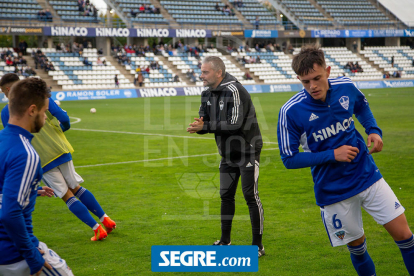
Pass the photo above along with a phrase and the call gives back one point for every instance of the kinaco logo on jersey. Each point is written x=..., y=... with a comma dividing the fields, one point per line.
x=332, y=130
x=204, y=258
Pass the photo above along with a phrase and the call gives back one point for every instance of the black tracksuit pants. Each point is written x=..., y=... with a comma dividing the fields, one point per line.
x=230, y=172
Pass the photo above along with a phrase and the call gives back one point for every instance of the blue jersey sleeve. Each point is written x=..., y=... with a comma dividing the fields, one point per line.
x=289, y=136
x=364, y=114
x=18, y=178
x=5, y=115
x=59, y=114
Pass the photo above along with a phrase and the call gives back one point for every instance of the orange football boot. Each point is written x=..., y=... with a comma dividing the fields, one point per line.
x=100, y=234
x=109, y=224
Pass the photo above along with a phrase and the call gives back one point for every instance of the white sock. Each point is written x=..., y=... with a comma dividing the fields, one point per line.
x=102, y=218
x=95, y=227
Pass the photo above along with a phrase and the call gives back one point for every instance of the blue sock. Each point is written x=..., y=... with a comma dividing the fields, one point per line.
x=361, y=260
x=90, y=202
x=79, y=210
x=407, y=251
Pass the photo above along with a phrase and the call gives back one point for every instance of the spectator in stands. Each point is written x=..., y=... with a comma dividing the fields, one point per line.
x=258, y=59
x=142, y=8
x=99, y=62
x=355, y=46
x=277, y=48
x=86, y=62
x=89, y=45
x=100, y=52
x=284, y=46
x=386, y=75
x=257, y=22
x=48, y=15
x=396, y=74
x=189, y=73
x=23, y=47
x=41, y=15
x=138, y=69
x=116, y=81
x=392, y=61
x=199, y=64
x=290, y=49
x=133, y=13
x=147, y=69
x=9, y=61
x=247, y=76
x=140, y=79
x=176, y=78
x=104, y=62
x=193, y=77
x=217, y=8
x=358, y=67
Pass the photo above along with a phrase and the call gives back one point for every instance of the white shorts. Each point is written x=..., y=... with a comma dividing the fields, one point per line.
x=59, y=266
x=61, y=178
x=343, y=220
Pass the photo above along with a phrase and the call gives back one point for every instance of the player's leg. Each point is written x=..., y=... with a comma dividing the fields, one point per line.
x=59, y=266
x=89, y=200
x=73, y=179
x=384, y=206
x=249, y=171
x=55, y=180
x=229, y=178
x=343, y=223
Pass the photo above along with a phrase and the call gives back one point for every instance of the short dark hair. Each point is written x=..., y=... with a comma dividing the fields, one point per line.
x=25, y=93
x=9, y=78
x=303, y=62
x=217, y=64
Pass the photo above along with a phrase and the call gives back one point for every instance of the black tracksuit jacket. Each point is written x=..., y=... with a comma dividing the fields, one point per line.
x=228, y=112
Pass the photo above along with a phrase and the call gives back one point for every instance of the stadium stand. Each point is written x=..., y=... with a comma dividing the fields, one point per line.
x=185, y=62
x=141, y=11
x=8, y=55
x=73, y=10
x=354, y=12
x=252, y=8
x=71, y=72
x=382, y=56
x=20, y=10
x=275, y=67
x=198, y=12
x=272, y=67
x=154, y=71
x=306, y=12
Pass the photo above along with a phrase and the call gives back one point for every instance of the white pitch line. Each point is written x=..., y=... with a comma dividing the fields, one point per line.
x=150, y=134
x=77, y=120
x=150, y=160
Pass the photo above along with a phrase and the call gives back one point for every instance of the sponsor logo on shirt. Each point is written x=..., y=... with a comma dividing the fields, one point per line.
x=332, y=130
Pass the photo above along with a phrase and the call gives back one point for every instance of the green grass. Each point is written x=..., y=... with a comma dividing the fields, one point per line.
x=151, y=207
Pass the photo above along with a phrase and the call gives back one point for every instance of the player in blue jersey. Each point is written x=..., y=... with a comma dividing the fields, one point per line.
x=320, y=119
x=21, y=253
x=60, y=173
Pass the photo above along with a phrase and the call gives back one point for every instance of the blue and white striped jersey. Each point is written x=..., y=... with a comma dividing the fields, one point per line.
x=20, y=175
x=321, y=127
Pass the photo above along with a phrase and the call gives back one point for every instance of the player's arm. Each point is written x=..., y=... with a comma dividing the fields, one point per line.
x=15, y=190
x=364, y=115
x=59, y=114
x=5, y=115
x=288, y=135
x=237, y=108
x=202, y=113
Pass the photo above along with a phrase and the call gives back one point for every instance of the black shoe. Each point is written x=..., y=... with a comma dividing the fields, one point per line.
x=261, y=252
x=219, y=242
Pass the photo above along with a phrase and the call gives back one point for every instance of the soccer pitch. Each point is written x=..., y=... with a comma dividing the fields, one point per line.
x=160, y=184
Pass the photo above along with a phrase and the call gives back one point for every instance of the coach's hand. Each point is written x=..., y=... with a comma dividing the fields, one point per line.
x=46, y=264
x=373, y=137
x=196, y=126
x=345, y=153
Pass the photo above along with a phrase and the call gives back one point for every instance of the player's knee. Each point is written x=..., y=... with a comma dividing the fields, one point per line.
x=357, y=242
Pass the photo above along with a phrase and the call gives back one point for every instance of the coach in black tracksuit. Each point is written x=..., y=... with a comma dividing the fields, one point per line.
x=227, y=111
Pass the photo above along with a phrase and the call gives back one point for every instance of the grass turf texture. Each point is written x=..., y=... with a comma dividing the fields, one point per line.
x=151, y=207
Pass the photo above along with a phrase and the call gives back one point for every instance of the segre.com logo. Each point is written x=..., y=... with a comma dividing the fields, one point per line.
x=199, y=258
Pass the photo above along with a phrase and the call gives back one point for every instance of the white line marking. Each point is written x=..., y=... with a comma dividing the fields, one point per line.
x=77, y=120
x=150, y=134
x=150, y=160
